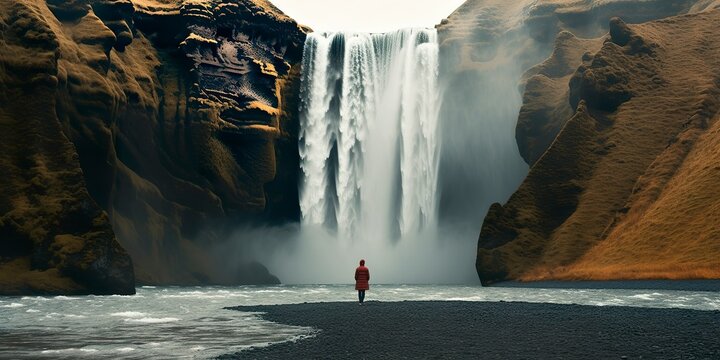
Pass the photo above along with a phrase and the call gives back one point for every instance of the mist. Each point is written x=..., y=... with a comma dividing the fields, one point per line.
x=316, y=255
x=483, y=61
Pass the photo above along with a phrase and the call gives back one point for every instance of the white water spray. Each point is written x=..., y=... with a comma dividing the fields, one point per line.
x=369, y=133
x=381, y=179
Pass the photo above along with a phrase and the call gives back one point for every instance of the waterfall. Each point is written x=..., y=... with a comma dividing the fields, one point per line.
x=369, y=143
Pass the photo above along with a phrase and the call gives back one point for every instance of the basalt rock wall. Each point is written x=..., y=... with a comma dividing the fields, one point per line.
x=142, y=128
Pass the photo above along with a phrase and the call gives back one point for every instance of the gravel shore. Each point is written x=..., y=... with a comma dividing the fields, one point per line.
x=490, y=330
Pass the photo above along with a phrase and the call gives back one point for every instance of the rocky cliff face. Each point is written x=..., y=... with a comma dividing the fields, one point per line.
x=151, y=122
x=489, y=49
x=581, y=26
x=625, y=190
x=53, y=236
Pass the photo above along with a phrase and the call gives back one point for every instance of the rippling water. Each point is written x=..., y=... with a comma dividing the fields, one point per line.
x=190, y=322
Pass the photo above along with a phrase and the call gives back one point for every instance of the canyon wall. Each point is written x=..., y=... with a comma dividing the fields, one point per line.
x=142, y=128
x=489, y=49
x=619, y=131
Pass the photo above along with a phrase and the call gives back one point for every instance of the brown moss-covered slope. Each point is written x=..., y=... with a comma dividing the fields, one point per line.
x=626, y=189
x=545, y=106
x=151, y=121
x=545, y=110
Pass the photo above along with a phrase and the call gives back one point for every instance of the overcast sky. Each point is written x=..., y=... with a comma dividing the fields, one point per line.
x=367, y=15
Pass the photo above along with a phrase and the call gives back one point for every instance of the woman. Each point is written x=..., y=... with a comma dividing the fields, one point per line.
x=362, y=277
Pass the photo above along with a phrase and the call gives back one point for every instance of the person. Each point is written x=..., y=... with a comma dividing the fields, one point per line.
x=362, y=279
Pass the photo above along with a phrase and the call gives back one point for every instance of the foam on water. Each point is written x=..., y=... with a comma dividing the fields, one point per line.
x=130, y=314
x=12, y=305
x=151, y=320
x=69, y=350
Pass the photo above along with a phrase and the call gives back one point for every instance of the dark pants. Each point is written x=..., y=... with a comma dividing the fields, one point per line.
x=361, y=295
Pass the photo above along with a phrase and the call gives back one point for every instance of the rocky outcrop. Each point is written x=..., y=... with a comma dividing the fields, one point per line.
x=579, y=26
x=544, y=110
x=625, y=190
x=545, y=106
x=161, y=118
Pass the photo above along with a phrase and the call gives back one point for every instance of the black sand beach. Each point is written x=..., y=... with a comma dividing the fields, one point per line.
x=490, y=330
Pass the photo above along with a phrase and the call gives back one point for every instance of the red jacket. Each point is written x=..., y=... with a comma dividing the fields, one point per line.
x=362, y=277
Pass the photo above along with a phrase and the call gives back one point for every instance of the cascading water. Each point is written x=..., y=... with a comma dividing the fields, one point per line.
x=369, y=146
x=369, y=143
x=381, y=178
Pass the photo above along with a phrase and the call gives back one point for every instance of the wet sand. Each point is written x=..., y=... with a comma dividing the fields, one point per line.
x=490, y=330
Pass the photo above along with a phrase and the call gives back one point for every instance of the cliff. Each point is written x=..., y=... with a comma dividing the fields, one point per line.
x=53, y=236
x=489, y=49
x=141, y=128
x=622, y=151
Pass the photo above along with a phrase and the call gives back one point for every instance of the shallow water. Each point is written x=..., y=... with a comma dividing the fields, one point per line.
x=190, y=322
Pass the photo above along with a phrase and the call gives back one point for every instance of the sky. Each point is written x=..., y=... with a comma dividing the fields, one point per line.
x=367, y=15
